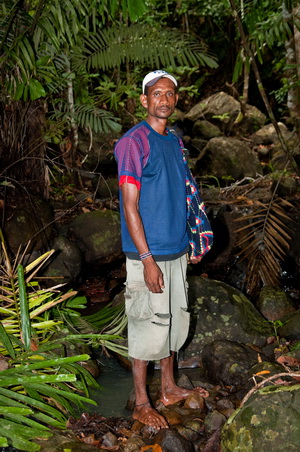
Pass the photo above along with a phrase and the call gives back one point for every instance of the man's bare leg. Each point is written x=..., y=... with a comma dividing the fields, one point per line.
x=170, y=392
x=143, y=411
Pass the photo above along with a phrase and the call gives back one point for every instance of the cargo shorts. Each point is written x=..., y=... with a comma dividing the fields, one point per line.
x=157, y=323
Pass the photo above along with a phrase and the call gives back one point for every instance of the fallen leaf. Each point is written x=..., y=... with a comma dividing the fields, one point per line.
x=153, y=448
x=262, y=372
x=288, y=360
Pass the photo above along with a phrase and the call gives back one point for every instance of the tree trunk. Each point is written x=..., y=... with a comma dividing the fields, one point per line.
x=22, y=147
x=71, y=146
x=292, y=47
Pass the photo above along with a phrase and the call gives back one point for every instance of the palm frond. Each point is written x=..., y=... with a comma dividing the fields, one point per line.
x=88, y=115
x=112, y=47
x=264, y=242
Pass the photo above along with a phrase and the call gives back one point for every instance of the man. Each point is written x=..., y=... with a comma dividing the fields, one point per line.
x=152, y=180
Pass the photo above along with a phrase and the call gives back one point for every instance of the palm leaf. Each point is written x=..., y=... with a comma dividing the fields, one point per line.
x=113, y=47
x=264, y=242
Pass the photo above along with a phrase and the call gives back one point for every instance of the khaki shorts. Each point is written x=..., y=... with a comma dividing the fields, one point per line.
x=157, y=323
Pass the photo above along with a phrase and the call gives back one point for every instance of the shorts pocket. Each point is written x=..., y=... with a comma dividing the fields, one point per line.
x=138, y=302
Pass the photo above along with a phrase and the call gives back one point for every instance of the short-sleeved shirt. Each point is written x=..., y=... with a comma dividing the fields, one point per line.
x=154, y=163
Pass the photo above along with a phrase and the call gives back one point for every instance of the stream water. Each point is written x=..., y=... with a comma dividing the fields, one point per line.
x=116, y=385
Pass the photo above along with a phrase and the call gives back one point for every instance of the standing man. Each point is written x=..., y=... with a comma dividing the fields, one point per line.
x=152, y=180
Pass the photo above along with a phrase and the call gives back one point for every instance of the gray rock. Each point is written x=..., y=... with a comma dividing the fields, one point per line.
x=219, y=104
x=285, y=186
x=252, y=120
x=290, y=328
x=196, y=146
x=274, y=303
x=66, y=264
x=171, y=441
x=225, y=111
x=134, y=444
x=268, y=135
x=214, y=421
x=32, y=222
x=269, y=420
x=106, y=188
x=98, y=235
x=206, y=129
x=228, y=362
x=271, y=367
x=225, y=157
x=220, y=312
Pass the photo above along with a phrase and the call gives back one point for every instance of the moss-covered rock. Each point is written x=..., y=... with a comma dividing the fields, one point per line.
x=268, y=421
x=98, y=234
x=221, y=312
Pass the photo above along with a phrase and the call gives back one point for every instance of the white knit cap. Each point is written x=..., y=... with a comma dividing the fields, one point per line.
x=154, y=76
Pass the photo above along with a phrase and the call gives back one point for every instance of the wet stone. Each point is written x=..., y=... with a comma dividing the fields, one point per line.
x=224, y=404
x=133, y=444
x=187, y=433
x=214, y=422
x=195, y=402
x=109, y=440
x=185, y=382
x=172, y=441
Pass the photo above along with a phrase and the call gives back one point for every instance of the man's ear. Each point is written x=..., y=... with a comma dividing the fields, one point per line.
x=144, y=100
x=176, y=99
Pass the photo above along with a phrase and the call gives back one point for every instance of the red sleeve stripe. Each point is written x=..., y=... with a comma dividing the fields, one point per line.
x=129, y=180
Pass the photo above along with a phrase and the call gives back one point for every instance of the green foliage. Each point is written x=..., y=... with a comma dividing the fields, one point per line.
x=113, y=47
x=39, y=387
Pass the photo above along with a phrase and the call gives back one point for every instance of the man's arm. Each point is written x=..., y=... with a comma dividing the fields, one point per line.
x=152, y=273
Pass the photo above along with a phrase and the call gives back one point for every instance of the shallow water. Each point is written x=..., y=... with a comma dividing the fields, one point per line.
x=116, y=385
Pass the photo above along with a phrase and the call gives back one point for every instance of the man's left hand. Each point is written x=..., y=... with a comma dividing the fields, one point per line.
x=194, y=260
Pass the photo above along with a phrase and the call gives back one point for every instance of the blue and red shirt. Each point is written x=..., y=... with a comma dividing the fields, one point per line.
x=154, y=163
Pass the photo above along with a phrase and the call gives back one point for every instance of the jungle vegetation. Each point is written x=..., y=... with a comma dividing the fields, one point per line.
x=78, y=64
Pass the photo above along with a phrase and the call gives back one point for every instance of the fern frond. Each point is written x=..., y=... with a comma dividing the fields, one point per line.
x=87, y=115
x=112, y=47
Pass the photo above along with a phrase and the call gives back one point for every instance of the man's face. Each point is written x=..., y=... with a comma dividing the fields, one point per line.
x=161, y=99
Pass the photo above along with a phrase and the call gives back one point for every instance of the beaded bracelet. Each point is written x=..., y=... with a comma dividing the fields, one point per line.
x=145, y=255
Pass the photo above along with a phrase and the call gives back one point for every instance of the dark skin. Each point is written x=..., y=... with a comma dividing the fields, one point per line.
x=160, y=103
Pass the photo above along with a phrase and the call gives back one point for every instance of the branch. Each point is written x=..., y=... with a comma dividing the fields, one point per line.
x=266, y=380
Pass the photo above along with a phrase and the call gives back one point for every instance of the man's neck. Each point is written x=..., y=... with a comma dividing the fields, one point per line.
x=158, y=124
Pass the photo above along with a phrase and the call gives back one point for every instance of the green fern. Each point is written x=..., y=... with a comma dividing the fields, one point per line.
x=143, y=44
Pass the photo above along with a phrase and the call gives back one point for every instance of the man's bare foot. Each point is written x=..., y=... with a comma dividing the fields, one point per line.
x=178, y=393
x=149, y=416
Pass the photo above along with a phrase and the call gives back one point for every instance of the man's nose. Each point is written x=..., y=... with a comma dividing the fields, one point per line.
x=164, y=99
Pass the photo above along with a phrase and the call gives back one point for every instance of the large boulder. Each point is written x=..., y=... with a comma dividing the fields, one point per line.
x=225, y=157
x=268, y=135
x=206, y=129
x=219, y=104
x=98, y=235
x=273, y=303
x=220, y=312
x=66, y=265
x=225, y=111
x=269, y=420
x=32, y=222
x=290, y=326
x=228, y=362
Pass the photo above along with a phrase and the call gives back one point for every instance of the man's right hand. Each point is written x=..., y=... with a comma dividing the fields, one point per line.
x=153, y=275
